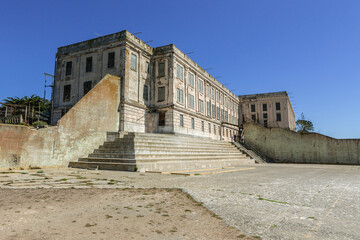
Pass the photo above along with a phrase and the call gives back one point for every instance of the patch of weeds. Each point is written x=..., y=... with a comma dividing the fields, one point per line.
x=24, y=173
x=241, y=236
x=197, y=174
x=129, y=208
x=61, y=180
x=273, y=226
x=145, y=194
x=269, y=200
x=158, y=231
x=199, y=204
x=257, y=237
x=90, y=225
x=34, y=167
x=165, y=215
x=126, y=217
x=140, y=215
x=108, y=216
x=139, y=206
x=40, y=171
x=187, y=210
x=215, y=216
x=6, y=172
x=313, y=218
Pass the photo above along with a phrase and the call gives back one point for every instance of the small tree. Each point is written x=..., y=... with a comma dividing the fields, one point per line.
x=304, y=126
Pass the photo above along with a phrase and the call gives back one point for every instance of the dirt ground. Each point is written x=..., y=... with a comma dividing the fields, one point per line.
x=90, y=213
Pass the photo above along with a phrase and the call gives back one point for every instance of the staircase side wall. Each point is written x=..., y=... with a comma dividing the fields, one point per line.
x=285, y=146
x=77, y=133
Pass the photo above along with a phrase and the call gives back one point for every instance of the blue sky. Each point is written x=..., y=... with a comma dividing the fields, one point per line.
x=310, y=48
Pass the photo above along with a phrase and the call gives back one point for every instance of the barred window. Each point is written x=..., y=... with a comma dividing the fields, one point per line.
x=111, y=60
x=180, y=72
x=191, y=79
x=68, y=68
x=201, y=86
x=201, y=105
x=161, y=94
x=161, y=69
x=133, y=62
x=191, y=100
x=179, y=95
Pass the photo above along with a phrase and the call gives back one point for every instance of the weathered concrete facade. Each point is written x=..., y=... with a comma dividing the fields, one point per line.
x=268, y=109
x=81, y=130
x=284, y=146
x=163, y=90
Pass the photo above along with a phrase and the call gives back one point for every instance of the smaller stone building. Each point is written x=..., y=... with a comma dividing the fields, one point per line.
x=268, y=109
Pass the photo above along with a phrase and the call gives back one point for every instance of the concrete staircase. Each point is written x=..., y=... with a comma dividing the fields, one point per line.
x=161, y=152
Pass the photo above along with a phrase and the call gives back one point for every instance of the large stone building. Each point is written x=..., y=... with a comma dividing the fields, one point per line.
x=268, y=109
x=162, y=89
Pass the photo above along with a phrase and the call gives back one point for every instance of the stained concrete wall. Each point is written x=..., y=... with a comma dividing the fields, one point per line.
x=285, y=146
x=81, y=130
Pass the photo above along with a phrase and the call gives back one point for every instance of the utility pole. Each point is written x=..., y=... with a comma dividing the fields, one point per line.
x=52, y=92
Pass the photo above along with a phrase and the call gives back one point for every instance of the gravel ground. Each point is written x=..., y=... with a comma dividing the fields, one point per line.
x=272, y=201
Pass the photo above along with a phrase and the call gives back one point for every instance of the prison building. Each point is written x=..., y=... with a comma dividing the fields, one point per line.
x=162, y=89
x=268, y=109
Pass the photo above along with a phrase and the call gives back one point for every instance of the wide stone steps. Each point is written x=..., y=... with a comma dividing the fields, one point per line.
x=167, y=157
x=158, y=152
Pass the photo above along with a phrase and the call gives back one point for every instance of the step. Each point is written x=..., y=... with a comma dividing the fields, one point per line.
x=104, y=166
x=163, y=151
x=161, y=155
x=164, y=158
x=165, y=143
x=162, y=146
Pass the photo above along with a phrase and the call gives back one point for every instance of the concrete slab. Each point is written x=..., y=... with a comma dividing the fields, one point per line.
x=272, y=201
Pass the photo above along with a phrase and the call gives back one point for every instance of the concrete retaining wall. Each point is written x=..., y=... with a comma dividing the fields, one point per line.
x=77, y=133
x=285, y=146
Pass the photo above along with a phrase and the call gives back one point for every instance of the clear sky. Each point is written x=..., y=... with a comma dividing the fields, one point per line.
x=310, y=48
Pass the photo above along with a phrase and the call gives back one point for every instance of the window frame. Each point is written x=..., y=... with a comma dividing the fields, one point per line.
x=111, y=60
x=133, y=62
x=164, y=89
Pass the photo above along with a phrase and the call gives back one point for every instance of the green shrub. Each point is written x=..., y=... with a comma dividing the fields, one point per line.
x=39, y=124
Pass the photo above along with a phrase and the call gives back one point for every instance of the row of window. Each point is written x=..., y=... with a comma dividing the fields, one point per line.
x=67, y=90
x=265, y=117
x=212, y=110
x=210, y=91
x=110, y=64
x=277, y=105
x=226, y=132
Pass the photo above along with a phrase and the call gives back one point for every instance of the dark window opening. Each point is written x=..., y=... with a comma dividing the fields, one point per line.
x=265, y=123
x=252, y=107
x=146, y=93
x=181, y=120
x=278, y=117
x=68, y=68
x=111, y=60
x=87, y=87
x=147, y=67
x=264, y=107
x=161, y=69
x=253, y=117
x=265, y=115
x=162, y=119
x=277, y=106
x=67, y=93
x=161, y=94
x=192, y=123
x=89, y=64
